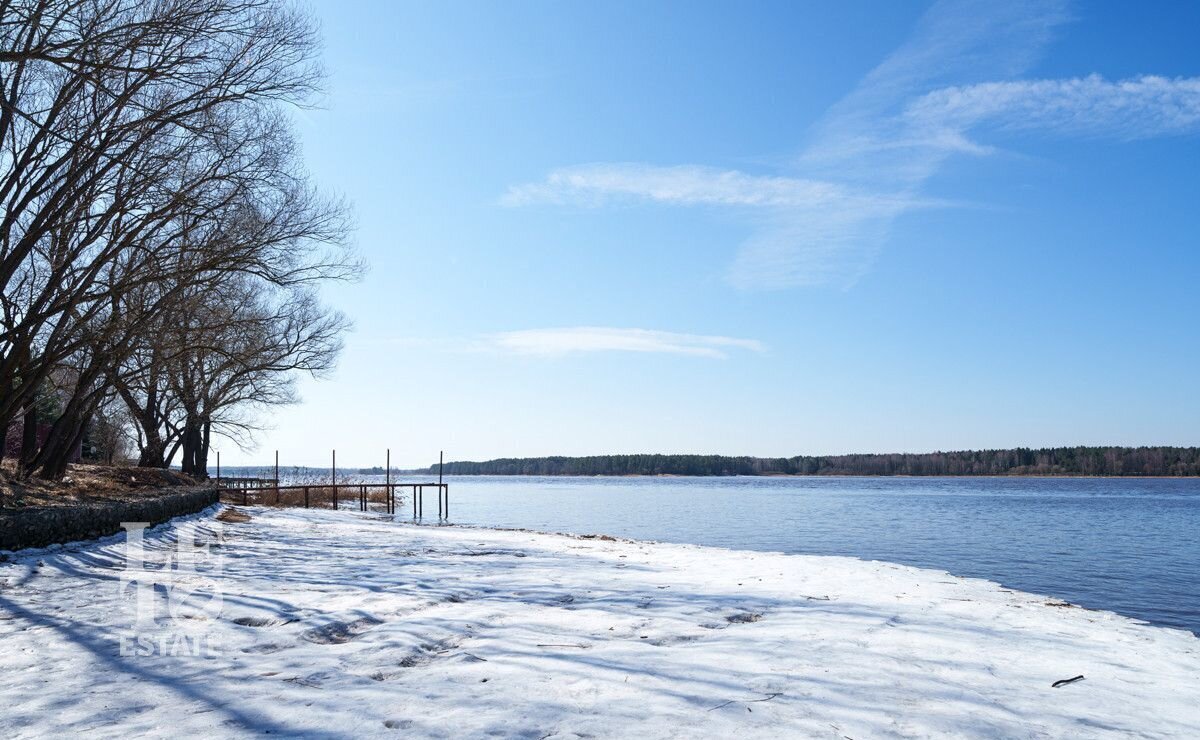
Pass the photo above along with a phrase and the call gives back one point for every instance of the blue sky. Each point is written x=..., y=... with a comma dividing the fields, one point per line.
x=769, y=229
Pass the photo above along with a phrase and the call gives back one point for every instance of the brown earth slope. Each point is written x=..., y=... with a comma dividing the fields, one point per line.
x=86, y=483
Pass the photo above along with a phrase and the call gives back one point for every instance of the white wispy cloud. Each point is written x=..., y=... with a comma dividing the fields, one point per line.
x=597, y=184
x=868, y=160
x=686, y=185
x=570, y=340
x=866, y=142
x=808, y=228
x=1136, y=108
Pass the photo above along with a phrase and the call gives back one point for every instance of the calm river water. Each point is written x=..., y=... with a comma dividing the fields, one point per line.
x=1129, y=546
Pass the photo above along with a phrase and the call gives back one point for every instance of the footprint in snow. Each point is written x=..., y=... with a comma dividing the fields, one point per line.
x=743, y=618
x=312, y=680
x=425, y=654
x=264, y=649
x=673, y=640
x=261, y=621
x=336, y=633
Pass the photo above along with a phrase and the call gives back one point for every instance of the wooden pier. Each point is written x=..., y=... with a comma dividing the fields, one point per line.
x=249, y=491
x=336, y=496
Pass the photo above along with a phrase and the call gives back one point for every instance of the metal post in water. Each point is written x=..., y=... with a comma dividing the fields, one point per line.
x=388, y=478
x=334, y=474
x=306, y=497
x=218, y=474
x=441, y=461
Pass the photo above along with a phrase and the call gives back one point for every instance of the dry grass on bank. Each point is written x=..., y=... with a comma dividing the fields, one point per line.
x=85, y=483
x=233, y=516
x=319, y=497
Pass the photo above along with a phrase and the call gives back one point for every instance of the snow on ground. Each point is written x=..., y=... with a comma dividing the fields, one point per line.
x=340, y=624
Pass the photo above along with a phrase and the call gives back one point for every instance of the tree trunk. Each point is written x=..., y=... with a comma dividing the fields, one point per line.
x=29, y=442
x=153, y=453
x=54, y=467
x=191, y=447
x=202, y=451
x=66, y=432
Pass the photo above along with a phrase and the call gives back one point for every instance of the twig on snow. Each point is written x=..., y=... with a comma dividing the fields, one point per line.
x=768, y=697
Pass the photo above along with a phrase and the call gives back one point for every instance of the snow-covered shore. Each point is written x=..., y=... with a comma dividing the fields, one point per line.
x=339, y=624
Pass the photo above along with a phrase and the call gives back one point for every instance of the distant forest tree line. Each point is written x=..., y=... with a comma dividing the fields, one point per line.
x=1122, y=461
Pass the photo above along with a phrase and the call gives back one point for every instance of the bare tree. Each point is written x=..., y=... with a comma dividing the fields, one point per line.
x=251, y=361
x=108, y=436
x=145, y=161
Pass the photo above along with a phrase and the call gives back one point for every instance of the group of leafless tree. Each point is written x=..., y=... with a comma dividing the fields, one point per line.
x=160, y=241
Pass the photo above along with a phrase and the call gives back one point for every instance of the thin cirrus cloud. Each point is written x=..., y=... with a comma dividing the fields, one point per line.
x=808, y=229
x=868, y=159
x=588, y=339
x=1136, y=108
x=684, y=185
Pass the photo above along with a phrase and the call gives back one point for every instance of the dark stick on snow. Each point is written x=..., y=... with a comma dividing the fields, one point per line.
x=769, y=697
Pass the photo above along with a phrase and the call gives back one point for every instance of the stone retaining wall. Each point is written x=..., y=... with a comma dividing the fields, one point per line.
x=52, y=525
